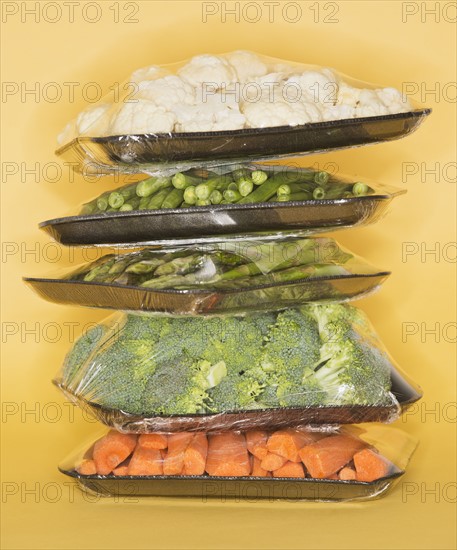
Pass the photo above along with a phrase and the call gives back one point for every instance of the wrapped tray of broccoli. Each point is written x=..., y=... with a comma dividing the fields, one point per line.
x=229, y=277
x=318, y=364
x=240, y=201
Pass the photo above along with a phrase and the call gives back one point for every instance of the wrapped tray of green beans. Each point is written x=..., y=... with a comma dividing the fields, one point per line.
x=229, y=277
x=229, y=202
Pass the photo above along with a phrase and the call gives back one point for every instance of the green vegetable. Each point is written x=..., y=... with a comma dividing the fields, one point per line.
x=173, y=199
x=361, y=189
x=203, y=202
x=231, y=196
x=189, y=195
x=148, y=187
x=259, y=177
x=155, y=202
x=125, y=207
x=181, y=181
x=321, y=178
x=245, y=186
x=102, y=203
x=216, y=197
x=319, y=193
x=115, y=200
x=204, y=190
x=270, y=187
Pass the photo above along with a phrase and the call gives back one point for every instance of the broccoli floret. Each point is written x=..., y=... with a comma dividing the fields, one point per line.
x=235, y=393
x=352, y=369
x=81, y=352
x=292, y=349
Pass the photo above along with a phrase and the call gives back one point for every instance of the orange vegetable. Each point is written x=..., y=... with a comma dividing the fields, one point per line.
x=145, y=462
x=153, y=441
x=256, y=442
x=370, y=465
x=290, y=469
x=328, y=455
x=177, y=445
x=228, y=455
x=111, y=450
x=87, y=467
x=288, y=442
x=122, y=469
x=347, y=473
x=195, y=455
x=272, y=462
x=257, y=470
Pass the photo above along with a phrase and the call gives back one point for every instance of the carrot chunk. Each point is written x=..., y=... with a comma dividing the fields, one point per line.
x=256, y=442
x=111, y=450
x=153, y=441
x=257, y=470
x=122, y=469
x=145, y=462
x=272, y=462
x=177, y=445
x=288, y=442
x=328, y=455
x=195, y=455
x=290, y=469
x=370, y=465
x=228, y=455
x=346, y=473
x=87, y=467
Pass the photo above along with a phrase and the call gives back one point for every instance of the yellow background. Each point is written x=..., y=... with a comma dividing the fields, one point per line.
x=371, y=42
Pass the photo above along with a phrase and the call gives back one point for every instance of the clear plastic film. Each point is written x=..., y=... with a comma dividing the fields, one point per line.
x=237, y=201
x=324, y=463
x=219, y=278
x=319, y=364
x=182, y=112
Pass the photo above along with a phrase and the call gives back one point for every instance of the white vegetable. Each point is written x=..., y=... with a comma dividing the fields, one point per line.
x=208, y=69
x=167, y=91
x=262, y=114
x=369, y=105
x=247, y=65
x=339, y=112
x=394, y=100
x=316, y=86
x=94, y=121
x=142, y=117
x=148, y=73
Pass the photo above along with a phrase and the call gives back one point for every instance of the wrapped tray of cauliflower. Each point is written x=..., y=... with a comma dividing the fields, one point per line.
x=233, y=106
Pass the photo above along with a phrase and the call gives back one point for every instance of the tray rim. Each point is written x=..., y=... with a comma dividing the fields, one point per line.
x=415, y=113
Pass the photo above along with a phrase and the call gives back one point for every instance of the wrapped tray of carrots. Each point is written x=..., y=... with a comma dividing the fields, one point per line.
x=325, y=463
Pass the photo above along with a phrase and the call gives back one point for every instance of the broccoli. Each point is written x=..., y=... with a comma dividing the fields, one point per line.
x=292, y=348
x=352, y=369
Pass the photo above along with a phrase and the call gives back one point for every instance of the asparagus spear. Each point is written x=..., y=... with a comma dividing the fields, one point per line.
x=150, y=186
x=173, y=199
x=182, y=181
x=204, y=190
x=155, y=202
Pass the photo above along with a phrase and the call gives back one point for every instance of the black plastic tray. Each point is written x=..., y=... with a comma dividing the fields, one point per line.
x=261, y=419
x=202, y=224
x=241, y=488
x=145, y=151
x=194, y=302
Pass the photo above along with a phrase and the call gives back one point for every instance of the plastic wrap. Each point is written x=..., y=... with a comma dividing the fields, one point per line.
x=314, y=364
x=263, y=202
x=229, y=277
x=234, y=106
x=301, y=463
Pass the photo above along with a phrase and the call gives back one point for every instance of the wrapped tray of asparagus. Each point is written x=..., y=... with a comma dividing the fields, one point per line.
x=242, y=201
x=218, y=278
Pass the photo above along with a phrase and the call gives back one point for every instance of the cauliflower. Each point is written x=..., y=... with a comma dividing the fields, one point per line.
x=339, y=112
x=369, y=104
x=166, y=91
x=142, y=117
x=247, y=65
x=208, y=69
x=316, y=86
x=217, y=112
x=394, y=100
x=93, y=121
x=348, y=95
x=261, y=114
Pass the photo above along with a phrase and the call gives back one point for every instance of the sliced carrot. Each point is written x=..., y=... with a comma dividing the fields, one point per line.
x=257, y=470
x=87, y=467
x=290, y=469
x=122, y=469
x=272, y=462
x=228, y=455
x=369, y=465
x=256, y=442
x=333, y=476
x=195, y=455
x=145, y=462
x=347, y=473
x=111, y=450
x=177, y=445
x=328, y=455
x=288, y=442
x=153, y=441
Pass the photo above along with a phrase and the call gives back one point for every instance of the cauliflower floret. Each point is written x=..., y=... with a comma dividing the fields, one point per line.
x=209, y=69
x=166, y=91
x=142, y=117
x=93, y=121
x=247, y=65
x=369, y=104
x=339, y=112
x=394, y=100
x=319, y=86
x=215, y=112
x=148, y=73
x=262, y=114
x=348, y=95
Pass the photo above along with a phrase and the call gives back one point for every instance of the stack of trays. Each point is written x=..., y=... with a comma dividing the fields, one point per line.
x=234, y=360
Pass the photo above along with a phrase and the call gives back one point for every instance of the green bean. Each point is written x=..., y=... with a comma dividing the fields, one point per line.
x=231, y=196
x=181, y=181
x=143, y=204
x=173, y=199
x=360, y=188
x=203, y=202
x=318, y=193
x=259, y=177
x=150, y=186
x=321, y=178
x=245, y=186
x=126, y=207
x=232, y=186
x=155, y=202
x=115, y=199
x=216, y=197
x=189, y=195
x=204, y=190
x=102, y=203
x=270, y=187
